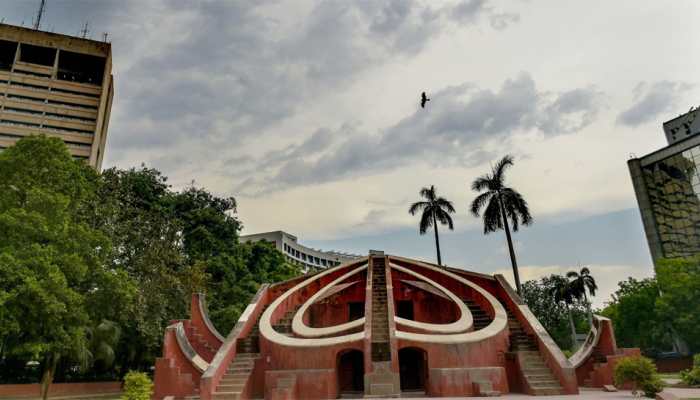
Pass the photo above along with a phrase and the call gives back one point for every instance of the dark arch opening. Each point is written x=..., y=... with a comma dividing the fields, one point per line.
x=351, y=372
x=413, y=369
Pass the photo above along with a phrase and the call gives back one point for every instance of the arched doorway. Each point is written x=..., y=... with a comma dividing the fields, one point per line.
x=413, y=369
x=351, y=372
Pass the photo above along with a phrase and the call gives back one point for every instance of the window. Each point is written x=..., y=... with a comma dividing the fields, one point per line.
x=82, y=68
x=7, y=54
x=37, y=54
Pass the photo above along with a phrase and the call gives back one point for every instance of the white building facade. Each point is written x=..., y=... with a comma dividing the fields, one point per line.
x=308, y=258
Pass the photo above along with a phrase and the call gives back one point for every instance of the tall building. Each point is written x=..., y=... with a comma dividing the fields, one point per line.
x=667, y=185
x=57, y=85
x=310, y=259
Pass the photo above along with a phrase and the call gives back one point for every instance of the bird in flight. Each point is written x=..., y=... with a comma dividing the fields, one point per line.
x=423, y=99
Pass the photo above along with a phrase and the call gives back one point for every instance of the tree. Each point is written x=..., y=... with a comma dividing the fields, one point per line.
x=636, y=318
x=554, y=316
x=502, y=204
x=52, y=260
x=580, y=283
x=434, y=209
x=138, y=217
x=563, y=293
x=679, y=284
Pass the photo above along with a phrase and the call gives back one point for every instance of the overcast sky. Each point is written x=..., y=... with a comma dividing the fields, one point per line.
x=308, y=113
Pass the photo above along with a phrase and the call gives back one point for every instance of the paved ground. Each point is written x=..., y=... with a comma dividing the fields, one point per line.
x=588, y=394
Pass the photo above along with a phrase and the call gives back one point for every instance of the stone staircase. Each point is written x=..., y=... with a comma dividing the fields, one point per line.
x=382, y=382
x=232, y=384
x=481, y=318
x=537, y=374
x=284, y=325
x=381, y=349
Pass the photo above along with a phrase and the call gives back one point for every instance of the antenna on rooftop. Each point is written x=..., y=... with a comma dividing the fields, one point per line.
x=104, y=36
x=85, y=30
x=39, y=14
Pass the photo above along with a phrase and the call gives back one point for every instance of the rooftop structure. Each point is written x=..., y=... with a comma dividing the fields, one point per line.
x=667, y=186
x=379, y=326
x=310, y=259
x=56, y=85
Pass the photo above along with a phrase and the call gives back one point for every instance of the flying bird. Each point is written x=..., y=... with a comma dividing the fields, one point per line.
x=423, y=99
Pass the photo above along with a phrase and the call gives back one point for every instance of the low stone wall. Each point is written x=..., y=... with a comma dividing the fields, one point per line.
x=60, y=389
x=673, y=364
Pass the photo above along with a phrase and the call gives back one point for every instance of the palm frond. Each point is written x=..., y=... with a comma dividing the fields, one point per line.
x=426, y=221
x=481, y=183
x=428, y=193
x=444, y=218
x=444, y=204
x=572, y=274
x=479, y=202
x=417, y=206
x=501, y=167
x=492, y=216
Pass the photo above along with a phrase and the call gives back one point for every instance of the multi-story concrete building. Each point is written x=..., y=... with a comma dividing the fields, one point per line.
x=310, y=259
x=667, y=185
x=56, y=85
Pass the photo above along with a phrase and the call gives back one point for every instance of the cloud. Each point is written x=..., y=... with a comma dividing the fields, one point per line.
x=452, y=130
x=607, y=276
x=651, y=100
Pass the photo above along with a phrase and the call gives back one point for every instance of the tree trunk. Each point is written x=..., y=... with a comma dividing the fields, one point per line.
x=437, y=240
x=513, y=262
x=588, y=306
x=574, y=342
x=50, y=362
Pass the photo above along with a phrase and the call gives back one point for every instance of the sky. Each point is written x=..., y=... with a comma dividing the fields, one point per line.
x=307, y=112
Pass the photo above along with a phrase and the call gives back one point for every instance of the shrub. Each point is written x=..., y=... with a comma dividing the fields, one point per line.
x=691, y=377
x=137, y=386
x=641, y=372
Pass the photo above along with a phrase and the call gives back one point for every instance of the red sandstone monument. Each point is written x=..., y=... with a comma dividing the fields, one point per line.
x=379, y=326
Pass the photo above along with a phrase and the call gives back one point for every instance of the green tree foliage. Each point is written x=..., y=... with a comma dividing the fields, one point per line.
x=503, y=206
x=137, y=386
x=691, y=376
x=582, y=283
x=641, y=372
x=554, y=316
x=679, y=281
x=94, y=266
x=53, y=269
x=637, y=320
x=433, y=210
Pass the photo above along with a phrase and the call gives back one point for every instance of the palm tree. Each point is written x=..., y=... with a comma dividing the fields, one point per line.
x=502, y=204
x=580, y=282
x=435, y=209
x=563, y=292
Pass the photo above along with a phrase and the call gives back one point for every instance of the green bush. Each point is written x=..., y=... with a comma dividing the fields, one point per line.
x=137, y=386
x=691, y=377
x=641, y=372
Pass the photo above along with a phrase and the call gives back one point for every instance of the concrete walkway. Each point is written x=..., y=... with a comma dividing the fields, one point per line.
x=591, y=394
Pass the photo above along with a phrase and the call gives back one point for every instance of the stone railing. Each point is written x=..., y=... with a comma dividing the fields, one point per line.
x=553, y=357
x=227, y=352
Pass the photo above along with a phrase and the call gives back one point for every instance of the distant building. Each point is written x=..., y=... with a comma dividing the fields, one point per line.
x=667, y=185
x=307, y=257
x=57, y=85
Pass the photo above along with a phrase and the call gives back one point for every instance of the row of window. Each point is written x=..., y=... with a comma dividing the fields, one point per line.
x=51, y=102
x=313, y=260
x=51, y=115
x=52, y=89
x=49, y=127
x=72, y=66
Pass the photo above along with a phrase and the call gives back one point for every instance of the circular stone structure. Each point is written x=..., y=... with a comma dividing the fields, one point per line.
x=377, y=326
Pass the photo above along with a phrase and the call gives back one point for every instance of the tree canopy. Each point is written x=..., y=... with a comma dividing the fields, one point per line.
x=94, y=266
